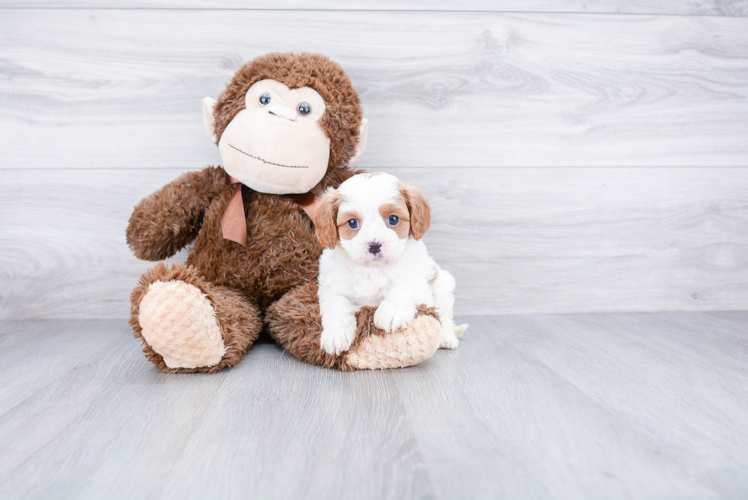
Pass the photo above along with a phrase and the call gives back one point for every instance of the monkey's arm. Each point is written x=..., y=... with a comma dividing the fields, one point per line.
x=170, y=218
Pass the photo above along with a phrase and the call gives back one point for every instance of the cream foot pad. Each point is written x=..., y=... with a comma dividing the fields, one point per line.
x=179, y=323
x=406, y=347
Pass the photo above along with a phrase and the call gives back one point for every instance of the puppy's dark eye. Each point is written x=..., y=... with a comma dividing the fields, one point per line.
x=393, y=220
x=265, y=99
x=304, y=109
x=353, y=224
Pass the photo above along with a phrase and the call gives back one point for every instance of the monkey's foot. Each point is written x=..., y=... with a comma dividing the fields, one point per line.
x=179, y=323
x=188, y=324
x=401, y=348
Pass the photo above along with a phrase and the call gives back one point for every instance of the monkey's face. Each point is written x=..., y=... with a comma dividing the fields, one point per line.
x=276, y=144
x=285, y=121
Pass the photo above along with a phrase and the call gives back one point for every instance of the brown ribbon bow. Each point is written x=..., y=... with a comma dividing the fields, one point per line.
x=234, y=223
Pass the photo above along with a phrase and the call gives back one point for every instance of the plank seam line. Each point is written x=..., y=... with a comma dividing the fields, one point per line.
x=391, y=11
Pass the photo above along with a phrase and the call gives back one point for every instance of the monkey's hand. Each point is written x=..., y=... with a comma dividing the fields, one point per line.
x=170, y=218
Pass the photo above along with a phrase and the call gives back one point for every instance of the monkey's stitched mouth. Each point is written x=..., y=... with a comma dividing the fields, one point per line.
x=265, y=161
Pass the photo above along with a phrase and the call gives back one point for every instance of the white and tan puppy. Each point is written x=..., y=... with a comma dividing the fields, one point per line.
x=371, y=227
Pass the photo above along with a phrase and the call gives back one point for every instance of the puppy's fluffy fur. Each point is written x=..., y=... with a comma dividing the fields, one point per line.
x=371, y=227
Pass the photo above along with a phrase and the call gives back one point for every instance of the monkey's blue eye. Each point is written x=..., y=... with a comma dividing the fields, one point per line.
x=265, y=99
x=393, y=220
x=353, y=224
x=304, y=109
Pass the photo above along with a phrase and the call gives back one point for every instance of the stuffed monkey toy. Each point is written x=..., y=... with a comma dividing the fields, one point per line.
x=287, y=126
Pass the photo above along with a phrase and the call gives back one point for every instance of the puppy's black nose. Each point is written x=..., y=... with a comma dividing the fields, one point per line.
x=374, y=247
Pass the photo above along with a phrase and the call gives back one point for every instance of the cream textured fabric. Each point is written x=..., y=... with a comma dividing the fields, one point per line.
x=398, y=349
x=179, y=323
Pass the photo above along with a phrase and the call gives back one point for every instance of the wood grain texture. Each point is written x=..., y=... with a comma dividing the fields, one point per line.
x=123, y=89
x=637, y=386
x=552, y=406
x=517, y=240
x=680, y=7
x=113, y=427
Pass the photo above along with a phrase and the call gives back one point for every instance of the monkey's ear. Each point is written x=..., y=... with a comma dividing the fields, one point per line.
x=363, y=133
x=209, y=104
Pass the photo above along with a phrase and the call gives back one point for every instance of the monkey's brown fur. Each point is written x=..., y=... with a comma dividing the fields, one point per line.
x=282, y=252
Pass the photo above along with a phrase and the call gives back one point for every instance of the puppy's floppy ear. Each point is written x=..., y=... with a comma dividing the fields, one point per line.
x=326, y=219
x=419, y=208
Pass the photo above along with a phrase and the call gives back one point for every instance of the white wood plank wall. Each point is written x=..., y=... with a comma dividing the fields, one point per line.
x=580, y=155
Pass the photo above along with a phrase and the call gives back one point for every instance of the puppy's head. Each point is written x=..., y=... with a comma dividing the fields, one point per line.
x=371, y=217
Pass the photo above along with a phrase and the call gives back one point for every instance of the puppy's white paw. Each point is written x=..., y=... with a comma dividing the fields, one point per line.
x=448, y=339
x=338, y=337
x=391, y=316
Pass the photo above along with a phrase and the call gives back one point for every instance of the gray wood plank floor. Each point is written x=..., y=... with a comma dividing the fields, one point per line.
x=540, y=406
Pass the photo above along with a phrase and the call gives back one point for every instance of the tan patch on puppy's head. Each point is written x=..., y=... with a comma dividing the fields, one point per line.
x=419, y=208
x=400, y=209
x=325, y=218
x=344, y=230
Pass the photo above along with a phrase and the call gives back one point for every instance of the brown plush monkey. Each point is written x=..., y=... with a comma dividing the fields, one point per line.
x=287, y=126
